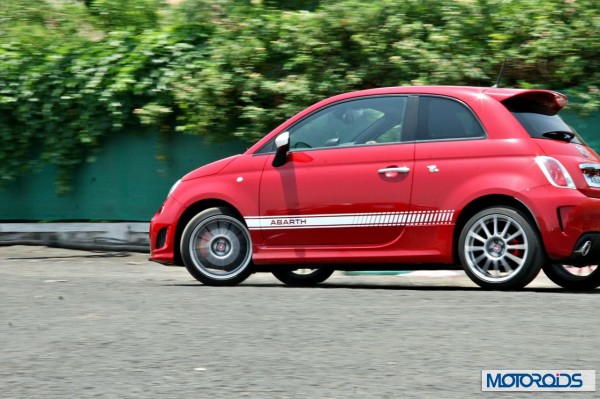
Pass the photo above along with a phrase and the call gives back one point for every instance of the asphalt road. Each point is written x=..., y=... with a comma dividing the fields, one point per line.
x=77, y=324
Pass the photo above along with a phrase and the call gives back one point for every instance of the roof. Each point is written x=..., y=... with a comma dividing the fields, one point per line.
x=548, y=98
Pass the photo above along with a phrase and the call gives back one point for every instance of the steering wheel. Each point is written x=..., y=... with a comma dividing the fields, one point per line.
x=301, y=144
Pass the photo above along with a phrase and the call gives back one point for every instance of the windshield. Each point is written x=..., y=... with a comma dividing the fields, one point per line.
x=547, y=127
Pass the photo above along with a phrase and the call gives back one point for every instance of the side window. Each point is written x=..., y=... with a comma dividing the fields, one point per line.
x=364, y=121
x=445, y=119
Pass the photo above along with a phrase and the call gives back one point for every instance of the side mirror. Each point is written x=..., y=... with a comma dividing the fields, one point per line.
x=282, y=143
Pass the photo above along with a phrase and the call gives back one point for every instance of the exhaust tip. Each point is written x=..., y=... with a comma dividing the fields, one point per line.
x=585, y=248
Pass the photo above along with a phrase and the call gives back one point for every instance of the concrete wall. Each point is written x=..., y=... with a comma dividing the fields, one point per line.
x=126, y=236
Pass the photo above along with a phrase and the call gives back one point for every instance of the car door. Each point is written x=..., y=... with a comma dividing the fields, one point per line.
x=451, y=152
x=348, y=176
x=451, y=149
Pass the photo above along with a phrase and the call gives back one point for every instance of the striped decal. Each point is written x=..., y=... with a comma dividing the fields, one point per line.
x=376, y=219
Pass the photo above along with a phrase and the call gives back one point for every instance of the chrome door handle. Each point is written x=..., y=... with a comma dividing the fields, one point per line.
x=401, y=169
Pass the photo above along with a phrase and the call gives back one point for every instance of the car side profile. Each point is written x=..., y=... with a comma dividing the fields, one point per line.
x=490, y=180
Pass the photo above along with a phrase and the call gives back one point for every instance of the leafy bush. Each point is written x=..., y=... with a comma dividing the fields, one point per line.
x=75, y=72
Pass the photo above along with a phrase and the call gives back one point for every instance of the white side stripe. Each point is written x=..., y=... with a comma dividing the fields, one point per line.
x=375, y=219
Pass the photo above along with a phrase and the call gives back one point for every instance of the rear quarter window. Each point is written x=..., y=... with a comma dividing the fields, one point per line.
x=441, y=118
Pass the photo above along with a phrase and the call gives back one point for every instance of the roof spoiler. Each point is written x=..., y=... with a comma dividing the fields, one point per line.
x=539, y=101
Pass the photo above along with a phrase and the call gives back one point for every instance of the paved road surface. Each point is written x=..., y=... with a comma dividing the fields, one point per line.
x=108, y=325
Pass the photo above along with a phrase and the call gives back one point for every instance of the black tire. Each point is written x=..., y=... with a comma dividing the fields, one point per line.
x=565, y=278
x=298, y=279
x=216, y=248
x=500, y=249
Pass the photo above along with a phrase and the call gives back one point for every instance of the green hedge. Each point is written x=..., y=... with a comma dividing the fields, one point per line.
x=74, y=72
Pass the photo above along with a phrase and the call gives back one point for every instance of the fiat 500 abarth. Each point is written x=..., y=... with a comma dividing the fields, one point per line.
x=485, y=179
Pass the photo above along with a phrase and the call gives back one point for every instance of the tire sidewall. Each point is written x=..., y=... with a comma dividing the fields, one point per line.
x=563, y=278
x=535, y=256
x=288, y=277
x=188, y=259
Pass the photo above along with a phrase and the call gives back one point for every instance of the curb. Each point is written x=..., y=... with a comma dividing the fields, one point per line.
x=124, y=236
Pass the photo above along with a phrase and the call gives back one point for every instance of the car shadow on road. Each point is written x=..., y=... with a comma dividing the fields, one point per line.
x=363, y=286
x=391, y=287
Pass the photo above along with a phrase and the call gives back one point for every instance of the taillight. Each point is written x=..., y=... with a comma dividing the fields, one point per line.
x=555, y=172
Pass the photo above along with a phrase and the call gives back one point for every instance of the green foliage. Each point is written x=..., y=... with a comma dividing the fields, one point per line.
x=265, y=63
x=130, y=15
x=74, y=72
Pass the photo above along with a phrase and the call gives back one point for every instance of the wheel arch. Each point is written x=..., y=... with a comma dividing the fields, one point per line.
x=190, y=212
x=489, y=201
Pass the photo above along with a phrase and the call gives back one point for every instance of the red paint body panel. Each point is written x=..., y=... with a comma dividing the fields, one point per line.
x=334, y=206
x=324, y=182
x=544, y=201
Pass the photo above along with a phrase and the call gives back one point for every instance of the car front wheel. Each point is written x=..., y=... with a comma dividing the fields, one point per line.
x=573, y=278
x=499, y=249
x=216, y=248
x=303, y=277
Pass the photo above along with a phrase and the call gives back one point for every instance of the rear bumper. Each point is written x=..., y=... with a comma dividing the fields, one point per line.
x=567, y=219
x=587, y=251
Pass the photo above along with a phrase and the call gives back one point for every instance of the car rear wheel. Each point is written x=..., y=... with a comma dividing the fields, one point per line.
x=573, y=278
x=216, y=248
x=303, y=277
x=499, y=249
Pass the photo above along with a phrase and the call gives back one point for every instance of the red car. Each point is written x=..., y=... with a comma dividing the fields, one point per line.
x=485, y=179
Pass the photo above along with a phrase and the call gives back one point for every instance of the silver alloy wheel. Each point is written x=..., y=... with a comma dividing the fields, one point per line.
x=220, y=247
x=496, y=248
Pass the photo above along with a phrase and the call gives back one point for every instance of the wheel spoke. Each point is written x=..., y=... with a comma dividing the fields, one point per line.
x=206, y=232
x=475, y=248
x=477, y=237
x=515, y=235
x=486, y=266
x=505, y=229
x=514, y=258
x=484, y=228
x=490, y=264
x=505, y=265
x=480, y=258
x=495, y=223
x=237, y=234
x=230, y=233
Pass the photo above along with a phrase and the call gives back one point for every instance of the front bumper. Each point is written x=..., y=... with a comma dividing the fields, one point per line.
x=163, y=228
